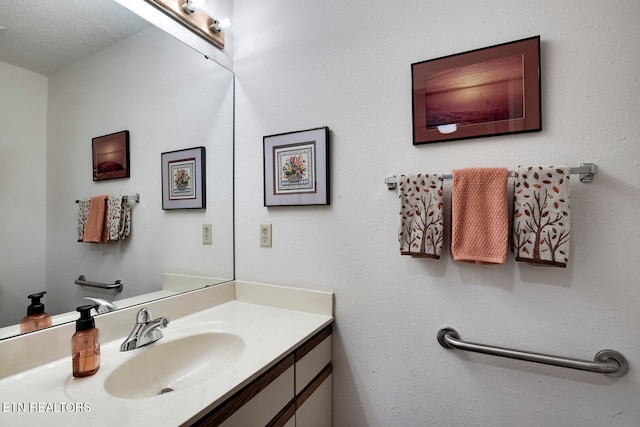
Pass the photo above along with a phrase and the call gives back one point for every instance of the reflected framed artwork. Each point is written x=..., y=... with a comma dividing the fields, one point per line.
x=110, y=156
x=296, y=168
x=483, y=92
x=183, y=179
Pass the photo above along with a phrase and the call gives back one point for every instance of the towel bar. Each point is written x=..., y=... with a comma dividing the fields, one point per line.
x=608, y=362
x=585, y=170
x=82, y=281
x=133, y=197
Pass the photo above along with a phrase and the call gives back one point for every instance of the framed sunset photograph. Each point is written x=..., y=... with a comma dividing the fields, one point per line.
x=110, y=154
x=484, y=92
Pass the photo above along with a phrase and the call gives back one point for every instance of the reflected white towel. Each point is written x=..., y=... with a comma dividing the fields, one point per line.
x=421, y=220
x=118, y=218
x=541, y=220
x=83, y=214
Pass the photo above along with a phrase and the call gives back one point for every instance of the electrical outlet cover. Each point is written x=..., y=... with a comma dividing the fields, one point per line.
x=265, y=235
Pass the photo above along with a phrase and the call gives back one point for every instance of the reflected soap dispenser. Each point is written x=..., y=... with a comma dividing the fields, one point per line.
x=85, y=344
x=36, y=317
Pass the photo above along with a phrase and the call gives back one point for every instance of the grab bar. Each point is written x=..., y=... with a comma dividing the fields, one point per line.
x=609, y=362
x=82, y=281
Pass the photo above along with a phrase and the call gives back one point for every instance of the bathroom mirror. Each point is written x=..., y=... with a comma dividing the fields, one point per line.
x=120, y=73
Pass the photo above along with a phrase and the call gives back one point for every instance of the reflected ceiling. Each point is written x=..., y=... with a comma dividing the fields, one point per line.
x=42, y=36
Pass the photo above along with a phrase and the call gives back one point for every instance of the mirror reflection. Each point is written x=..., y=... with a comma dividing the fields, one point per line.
x=139, y=79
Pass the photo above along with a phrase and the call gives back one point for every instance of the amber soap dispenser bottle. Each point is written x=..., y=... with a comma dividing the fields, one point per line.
x=36, y=317
x=85, y=344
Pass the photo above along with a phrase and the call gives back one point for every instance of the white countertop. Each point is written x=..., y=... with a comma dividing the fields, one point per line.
x=49, y=395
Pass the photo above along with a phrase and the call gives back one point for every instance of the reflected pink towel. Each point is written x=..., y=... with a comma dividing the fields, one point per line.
x=479, y=215
x=95, y=230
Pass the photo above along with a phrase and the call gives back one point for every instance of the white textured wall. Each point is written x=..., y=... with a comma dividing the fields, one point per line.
x=23, y=137
x=169, y=97
x=301, y=64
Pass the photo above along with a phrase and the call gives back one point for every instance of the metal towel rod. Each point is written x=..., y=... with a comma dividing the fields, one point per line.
x=130, y=198
x=609, y=362
x=82, y=281
x=585, y=170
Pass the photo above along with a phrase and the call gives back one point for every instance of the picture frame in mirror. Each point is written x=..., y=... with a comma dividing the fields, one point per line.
x=184, y=179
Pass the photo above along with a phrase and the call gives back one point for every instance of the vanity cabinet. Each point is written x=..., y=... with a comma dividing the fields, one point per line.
x=296, y=391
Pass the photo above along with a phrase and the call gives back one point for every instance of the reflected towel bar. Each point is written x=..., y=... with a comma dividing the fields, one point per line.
x=134, y=198
x=585, y=170
x=82, y=281
x=609, y=362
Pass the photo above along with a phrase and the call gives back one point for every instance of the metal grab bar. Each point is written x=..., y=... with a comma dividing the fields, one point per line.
x=609, y=362
x=82, y=281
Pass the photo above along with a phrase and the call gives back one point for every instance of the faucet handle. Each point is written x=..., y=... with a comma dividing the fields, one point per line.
x=144, y=316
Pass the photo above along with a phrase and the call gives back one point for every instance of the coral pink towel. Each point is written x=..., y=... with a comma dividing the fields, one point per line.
x=479, y=215
x=95, y=230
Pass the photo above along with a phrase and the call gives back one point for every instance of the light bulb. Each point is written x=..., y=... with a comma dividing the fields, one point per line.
x=221, y=25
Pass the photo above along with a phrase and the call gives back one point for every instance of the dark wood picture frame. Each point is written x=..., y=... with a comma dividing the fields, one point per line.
x=184, y=179
x=296, y=168
x=110, y=155
x=483, y=92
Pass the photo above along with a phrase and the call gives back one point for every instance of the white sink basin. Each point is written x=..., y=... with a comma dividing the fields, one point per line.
x=172, y=365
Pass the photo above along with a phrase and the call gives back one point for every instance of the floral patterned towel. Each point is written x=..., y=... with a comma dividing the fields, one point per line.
x=421, y=220
x=541, y=219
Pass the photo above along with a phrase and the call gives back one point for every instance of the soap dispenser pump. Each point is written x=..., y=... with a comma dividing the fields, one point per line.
x=85, y=344
x=36, y=317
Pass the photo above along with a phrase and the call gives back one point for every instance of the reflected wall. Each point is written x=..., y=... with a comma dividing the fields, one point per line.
x=168, y=97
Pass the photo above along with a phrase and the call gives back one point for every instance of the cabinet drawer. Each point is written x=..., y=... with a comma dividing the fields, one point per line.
x=316, y=410
x=265, y=405
x=312, y=360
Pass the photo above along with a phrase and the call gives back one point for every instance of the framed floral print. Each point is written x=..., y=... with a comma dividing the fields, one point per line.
x=183, y=179
x=296, y=168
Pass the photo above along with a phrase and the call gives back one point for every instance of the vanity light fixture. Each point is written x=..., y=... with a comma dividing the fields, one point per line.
x=191, y=14
x=221, y=25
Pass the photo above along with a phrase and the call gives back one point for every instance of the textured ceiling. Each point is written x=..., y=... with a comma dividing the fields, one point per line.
x=46, y=36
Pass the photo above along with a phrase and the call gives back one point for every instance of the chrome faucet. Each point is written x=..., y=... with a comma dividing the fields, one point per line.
x=102, y=306
x=145, y=331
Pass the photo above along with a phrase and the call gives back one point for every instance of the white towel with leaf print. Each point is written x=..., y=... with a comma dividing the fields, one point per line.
x=421, y=219
x=541, y=219
x=83, y=214
x=118, y=218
